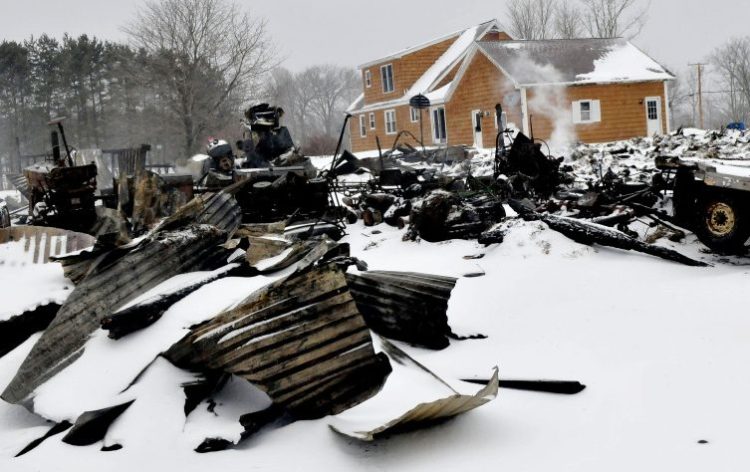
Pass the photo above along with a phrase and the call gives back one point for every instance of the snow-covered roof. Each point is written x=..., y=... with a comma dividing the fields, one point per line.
x=412, y=49
x=573, y=61
x=453, y=56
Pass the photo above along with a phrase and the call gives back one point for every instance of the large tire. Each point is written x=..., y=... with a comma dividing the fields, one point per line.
x=722, y=222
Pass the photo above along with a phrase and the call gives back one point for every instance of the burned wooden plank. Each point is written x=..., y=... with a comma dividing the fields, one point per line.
x=111, y=283
x=16, y=330
x=301, y=340
x=587, y=233
x=405, y=306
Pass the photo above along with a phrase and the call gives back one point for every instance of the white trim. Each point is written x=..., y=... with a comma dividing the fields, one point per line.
x=667, y=118
x=525, y=112
x=595, y=111
x=372, y=120
x=395, y=122
x=659, y=116
x=412, y=49
x=478, y=135
x=412, y=114
x=383, y=76
x=433, y=128
x=362, y=127
x=368, y=78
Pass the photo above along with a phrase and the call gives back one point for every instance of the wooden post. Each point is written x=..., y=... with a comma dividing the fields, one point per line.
x=700, y=94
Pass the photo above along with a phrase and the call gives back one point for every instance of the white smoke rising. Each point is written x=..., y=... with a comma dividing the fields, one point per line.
x=548, y=100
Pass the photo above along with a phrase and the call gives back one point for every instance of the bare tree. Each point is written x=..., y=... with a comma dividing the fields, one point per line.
x=614, y=18
x=568, y=24
x=531, y=19
x=334, y=89
x=203, y=55
x=732, y=64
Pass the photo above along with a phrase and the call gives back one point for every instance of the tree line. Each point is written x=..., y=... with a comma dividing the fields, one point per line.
x=186, y=72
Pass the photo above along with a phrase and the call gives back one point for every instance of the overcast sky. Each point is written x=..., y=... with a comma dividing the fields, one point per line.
x=351, y=32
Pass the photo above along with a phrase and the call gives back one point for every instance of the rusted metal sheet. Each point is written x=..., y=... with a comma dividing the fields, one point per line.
x=24, y=245
x=301, y=340
x=405, y=306
x=365, y=423
x=217, y=209
x=115, y=277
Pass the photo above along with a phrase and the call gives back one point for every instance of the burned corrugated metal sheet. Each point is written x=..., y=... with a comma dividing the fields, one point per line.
x=217, y=209
x=301, y=340
x=22, y=185
x=405, y=306
x=367, y=425
x=116, y=277
x=39, y=244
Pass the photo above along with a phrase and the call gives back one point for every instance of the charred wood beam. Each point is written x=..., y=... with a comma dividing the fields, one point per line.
x=589, y=234
x=564, y=387
x=91, y=426
x=148, y=312
x=18, y=329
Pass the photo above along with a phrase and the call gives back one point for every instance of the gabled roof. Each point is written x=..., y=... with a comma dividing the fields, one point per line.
x=456, y=53
x=573, y=62
x=412, y=49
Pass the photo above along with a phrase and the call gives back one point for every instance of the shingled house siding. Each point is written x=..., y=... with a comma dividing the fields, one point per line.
x=481, y=88
x=406, y=70
x=622, y=108
x=403, y=122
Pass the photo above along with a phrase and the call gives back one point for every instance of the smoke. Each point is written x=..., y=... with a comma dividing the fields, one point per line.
x=546, y=100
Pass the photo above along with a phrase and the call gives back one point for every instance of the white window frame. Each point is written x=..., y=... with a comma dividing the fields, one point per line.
x=414, y=114
x=388, y=129
x=362, y=127
x=388, y=82
x=435, y=138
x=368, y=78
x=372, y=121
x=594, y=111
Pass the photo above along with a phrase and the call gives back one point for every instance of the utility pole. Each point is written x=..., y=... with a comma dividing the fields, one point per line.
x=700, y=92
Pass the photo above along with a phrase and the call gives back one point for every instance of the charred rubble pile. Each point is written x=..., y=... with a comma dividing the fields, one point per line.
x=601, y=190
x=315, y=340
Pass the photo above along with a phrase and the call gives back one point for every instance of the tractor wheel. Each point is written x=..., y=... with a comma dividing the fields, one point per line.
x=723, y=223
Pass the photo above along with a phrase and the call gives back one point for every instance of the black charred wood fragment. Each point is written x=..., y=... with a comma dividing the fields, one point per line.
x=564, y=387
x=16, y=330
x=92, y=426
x=589, y=234
x=53, y=431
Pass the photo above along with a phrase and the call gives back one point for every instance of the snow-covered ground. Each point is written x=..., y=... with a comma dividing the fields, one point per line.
x=660, y=346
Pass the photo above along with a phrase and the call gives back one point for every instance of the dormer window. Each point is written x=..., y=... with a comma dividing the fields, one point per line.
x=368, y=78
x=386, y=75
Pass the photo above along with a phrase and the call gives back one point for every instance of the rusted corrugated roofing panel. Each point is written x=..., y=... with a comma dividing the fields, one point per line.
x=116, y=278
x=363, y=424
x=36, y=244
x=301, y=340
x=405, y=306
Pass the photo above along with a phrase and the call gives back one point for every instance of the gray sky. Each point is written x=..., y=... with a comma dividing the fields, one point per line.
x=351, y=32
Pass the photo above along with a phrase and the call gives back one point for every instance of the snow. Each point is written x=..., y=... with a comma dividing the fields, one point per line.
x=661, y=347
x=26, y=286
x=627, y=63
x=453, y=54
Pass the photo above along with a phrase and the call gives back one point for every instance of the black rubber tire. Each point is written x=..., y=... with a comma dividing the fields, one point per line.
x=722, y=222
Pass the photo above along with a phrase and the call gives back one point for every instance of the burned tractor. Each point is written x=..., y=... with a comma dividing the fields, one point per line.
x=710, y=199
x=61, y=193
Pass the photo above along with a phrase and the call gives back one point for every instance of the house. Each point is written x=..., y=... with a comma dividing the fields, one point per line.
x=590, y=90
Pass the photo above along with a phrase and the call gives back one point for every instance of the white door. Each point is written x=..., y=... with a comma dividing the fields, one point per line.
x=476, y=123
x=653, y=115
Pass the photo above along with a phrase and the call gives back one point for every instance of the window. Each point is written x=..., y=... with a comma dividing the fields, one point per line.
x=362, y=127
x=390, y=122
x=368, y=78
x=386, y=75
x=503, y=125
x=372, y=120
x=438, y=125
x=653, y=111
x=587, y=111
x=414, y=114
